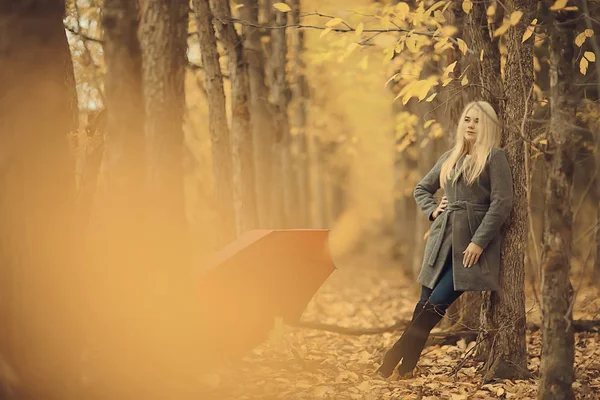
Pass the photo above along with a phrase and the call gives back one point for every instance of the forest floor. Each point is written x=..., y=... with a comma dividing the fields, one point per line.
x=367, y=292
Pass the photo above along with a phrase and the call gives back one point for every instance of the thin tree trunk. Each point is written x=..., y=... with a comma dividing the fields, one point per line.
x=263, y=125
x=505, y=309
x=217, y=121
x=300, y=97
x=244, y=189
x=40, y=331
x=558, y=340
x=319, y=215
x=281, y=94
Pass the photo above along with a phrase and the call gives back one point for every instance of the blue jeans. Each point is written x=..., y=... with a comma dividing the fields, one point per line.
x=443, y=293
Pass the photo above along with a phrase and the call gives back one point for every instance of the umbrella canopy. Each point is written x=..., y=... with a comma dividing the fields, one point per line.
x=262, y=275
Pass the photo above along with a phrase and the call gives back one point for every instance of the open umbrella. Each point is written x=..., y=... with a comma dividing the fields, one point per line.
x=262, y=275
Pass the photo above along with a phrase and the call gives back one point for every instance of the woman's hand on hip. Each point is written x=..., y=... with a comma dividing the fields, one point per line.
x=471, y=255
x=440, y=208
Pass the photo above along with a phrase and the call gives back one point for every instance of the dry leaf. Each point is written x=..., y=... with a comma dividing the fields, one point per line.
x=321, y=391
x=502, y=29
x=467, y=6
x=282, y=7
x=590, y=56
x=359, y=29
x=559, y=5
x=583, y=65
x=515, y=17
x=462, y=46
x=333, y=22
x=580, y=39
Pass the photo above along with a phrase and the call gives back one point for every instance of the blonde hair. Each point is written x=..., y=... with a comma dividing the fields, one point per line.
x=488, y=137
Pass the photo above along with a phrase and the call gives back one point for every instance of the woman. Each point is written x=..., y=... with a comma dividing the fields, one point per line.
x=463, y=248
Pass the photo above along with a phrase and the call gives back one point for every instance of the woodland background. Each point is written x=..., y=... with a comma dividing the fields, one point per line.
x=138, y=137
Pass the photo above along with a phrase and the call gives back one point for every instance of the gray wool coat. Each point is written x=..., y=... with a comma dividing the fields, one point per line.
x=475, y=213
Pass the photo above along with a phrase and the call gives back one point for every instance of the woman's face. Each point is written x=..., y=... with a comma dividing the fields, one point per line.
x=471, y=124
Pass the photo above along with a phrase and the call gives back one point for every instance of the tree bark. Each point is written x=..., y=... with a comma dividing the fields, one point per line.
x=558, y=340
x=280, y=94
x=163, y=34
x=168, y=339
x=40, y=317
x=300, y=98
x=505, y=309
x=244, y=192
x=596, y=47
x=485, y=73
x=263, y=125
x=115, y=244
x=217, y=124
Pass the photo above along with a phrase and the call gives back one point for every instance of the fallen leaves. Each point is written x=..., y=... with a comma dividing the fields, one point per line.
x=326, y=365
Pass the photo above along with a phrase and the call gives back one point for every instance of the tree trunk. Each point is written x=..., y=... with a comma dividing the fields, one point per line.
x=558, y=341
x=485, y=73
x=317, y=169
x=504, y=314
x=596, y=47
x=280, y=94
x=300, y=97
x=115, y=244
x=244, y=192
x=425, y=161
x=40, y=331
x=263, y=126
x=169, y=338
x=217, y=121
x=163, y=36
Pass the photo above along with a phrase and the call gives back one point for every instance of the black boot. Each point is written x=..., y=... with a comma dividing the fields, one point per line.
x=417, y=337
x=394, y=355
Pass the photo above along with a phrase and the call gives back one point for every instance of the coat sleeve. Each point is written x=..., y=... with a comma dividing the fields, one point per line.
x=501, y=199
x=428, y=186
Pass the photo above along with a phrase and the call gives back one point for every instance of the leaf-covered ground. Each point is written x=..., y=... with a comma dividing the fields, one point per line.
x=311, y=364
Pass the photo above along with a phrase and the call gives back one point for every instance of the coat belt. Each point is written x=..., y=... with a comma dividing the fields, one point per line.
x=454, y=206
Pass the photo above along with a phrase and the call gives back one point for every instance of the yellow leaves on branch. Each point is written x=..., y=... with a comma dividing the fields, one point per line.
x=559, y=5
x=515, y=17
x=580, y=39
x=529, y=31
x=491, y=10
x=282, y=7
x=359, y=29
x=587, y=58
x=448, y=69
x=467, y=6
x=333, y=22
x=502, y=29
x=462, y=46
x=402, y=10
x=419, y=89
x=513, y=20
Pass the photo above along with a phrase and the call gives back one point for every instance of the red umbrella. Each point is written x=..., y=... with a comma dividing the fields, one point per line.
x=262, y=275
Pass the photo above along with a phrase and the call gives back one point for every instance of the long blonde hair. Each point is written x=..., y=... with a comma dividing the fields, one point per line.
x=488, y=137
